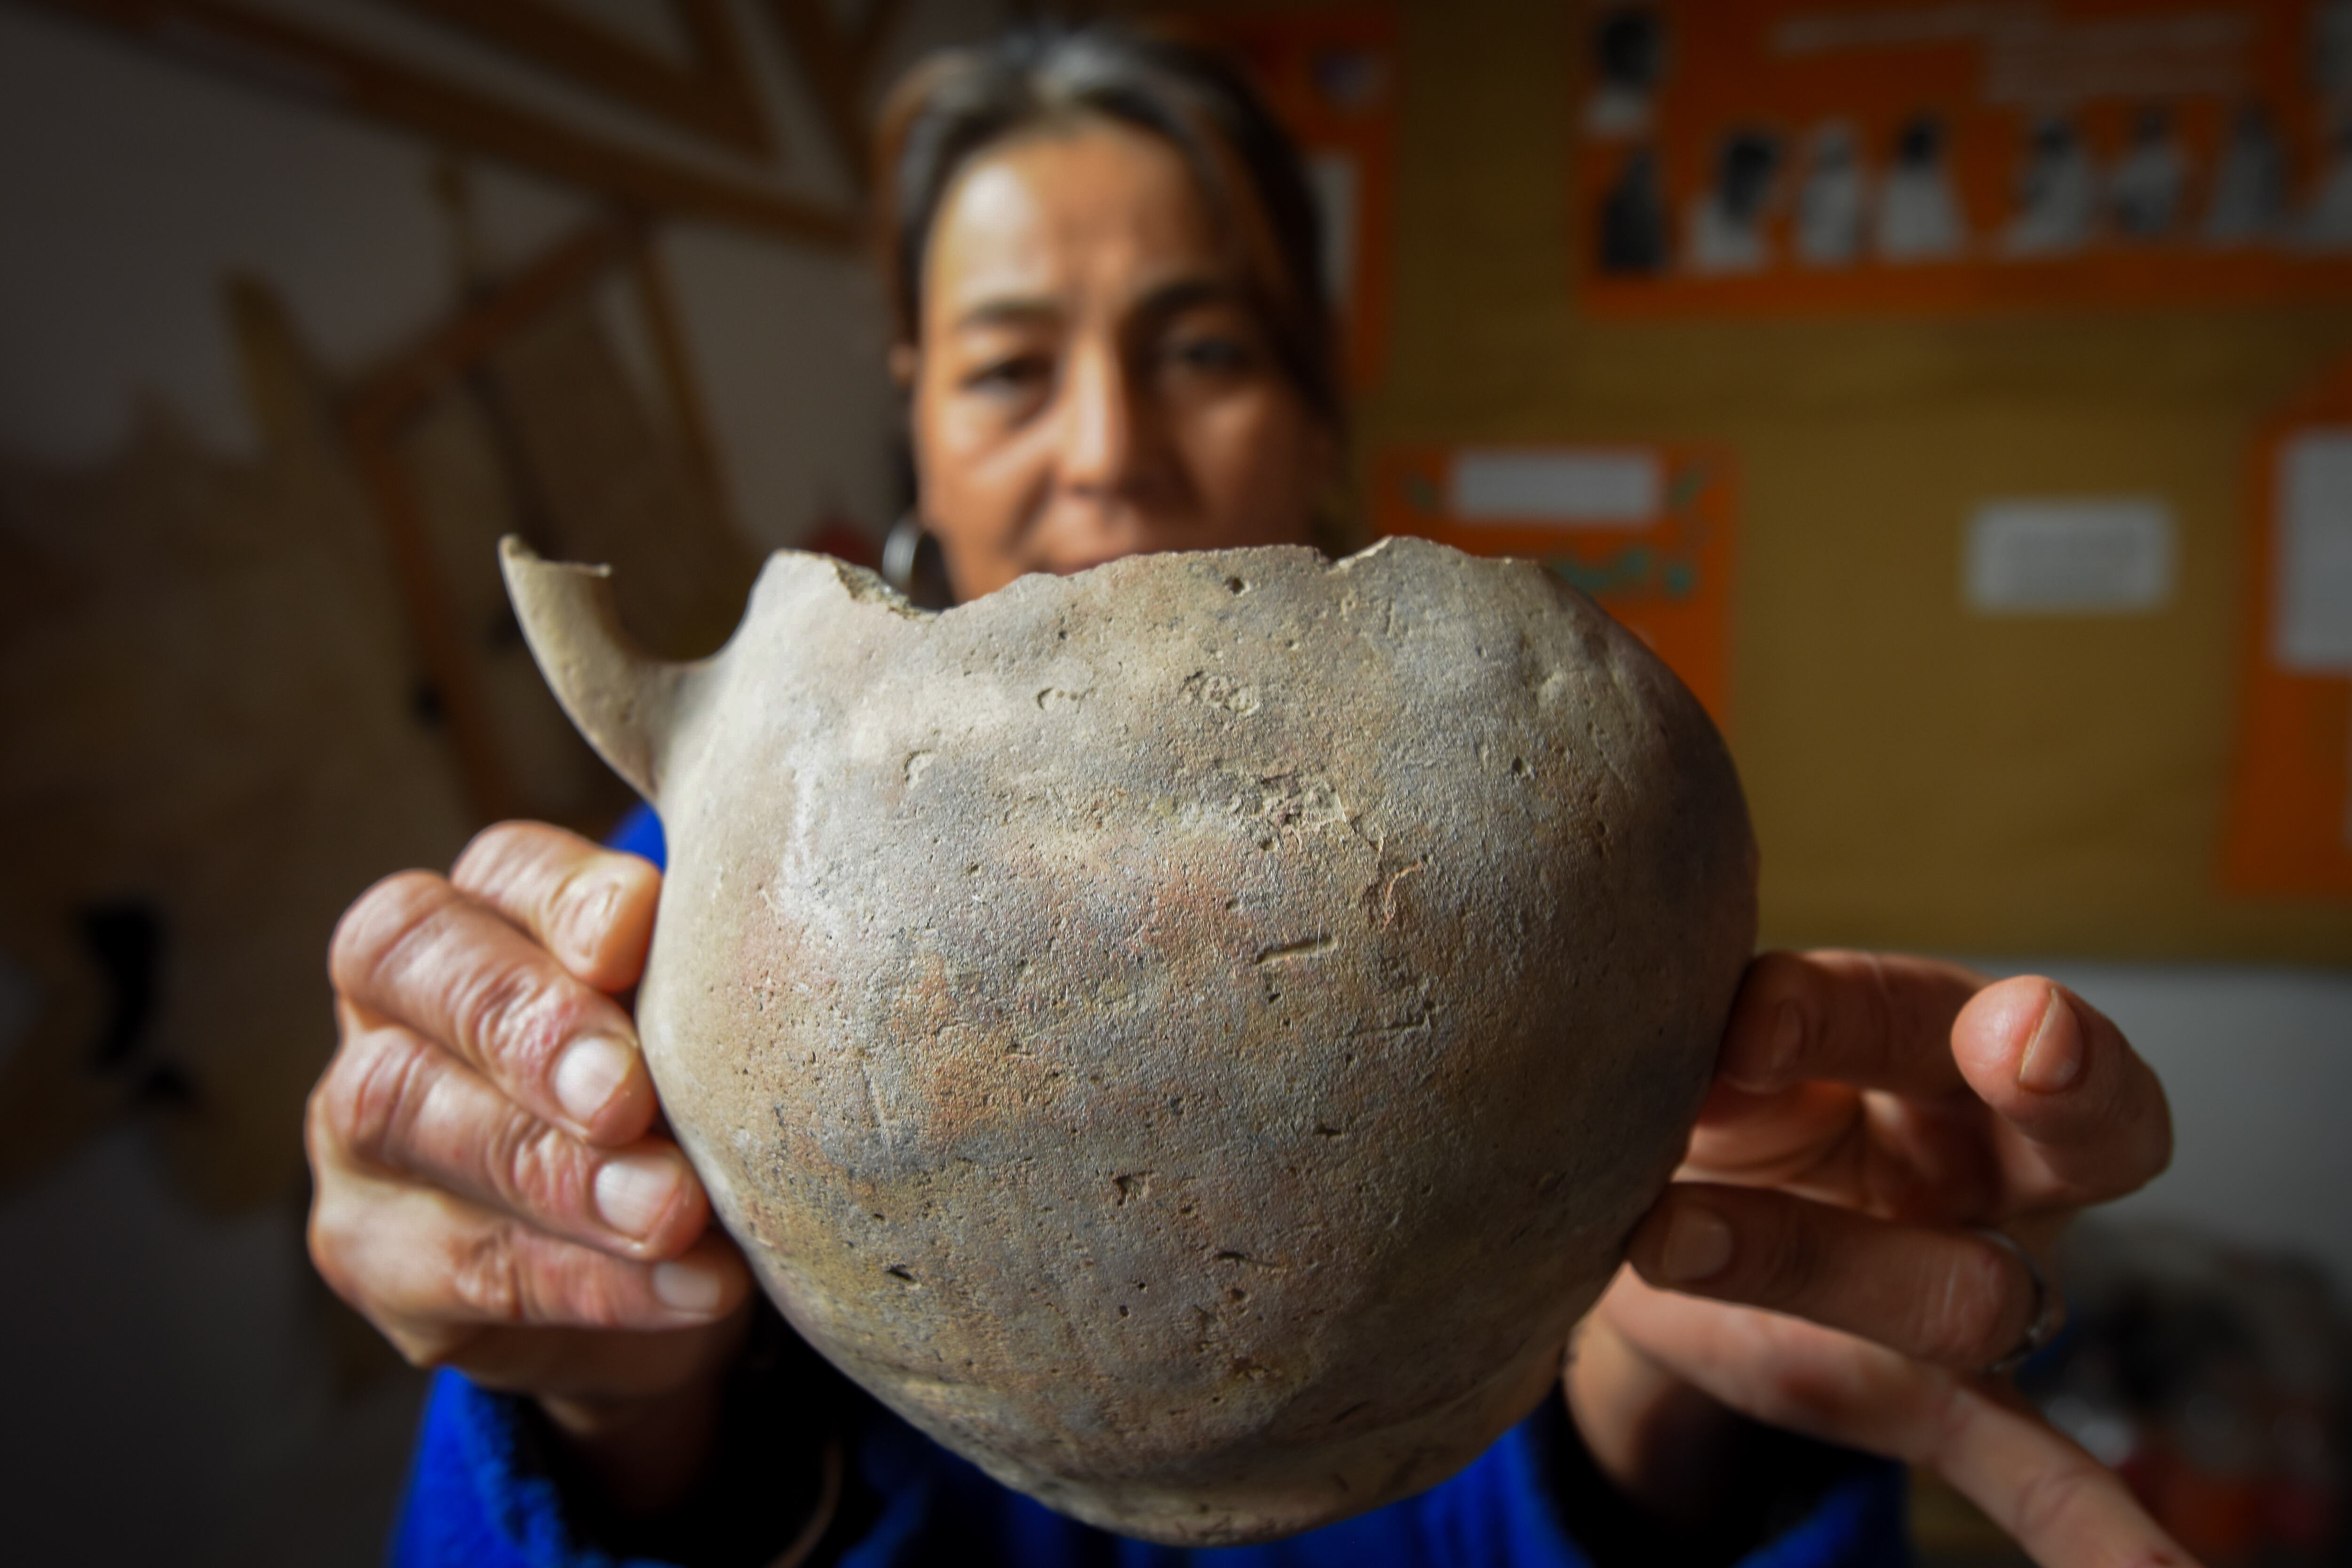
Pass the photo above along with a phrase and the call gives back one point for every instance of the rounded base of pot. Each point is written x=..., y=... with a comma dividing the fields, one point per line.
x=1288, y=1494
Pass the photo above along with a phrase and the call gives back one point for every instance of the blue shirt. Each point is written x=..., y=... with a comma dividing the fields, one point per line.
x=485, y=1492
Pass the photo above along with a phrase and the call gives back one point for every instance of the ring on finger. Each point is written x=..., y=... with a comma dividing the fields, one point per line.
x=2049, y=1309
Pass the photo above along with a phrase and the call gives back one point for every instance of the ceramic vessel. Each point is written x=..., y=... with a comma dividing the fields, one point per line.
x=1191, y=1037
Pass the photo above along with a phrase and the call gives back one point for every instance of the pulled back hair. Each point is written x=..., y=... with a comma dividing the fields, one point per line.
x=955, y=105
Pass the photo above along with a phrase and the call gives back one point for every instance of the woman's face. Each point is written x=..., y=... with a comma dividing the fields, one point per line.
x=1091, y=382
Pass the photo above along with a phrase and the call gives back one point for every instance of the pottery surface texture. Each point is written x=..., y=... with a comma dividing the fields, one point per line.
x=1192, y=1036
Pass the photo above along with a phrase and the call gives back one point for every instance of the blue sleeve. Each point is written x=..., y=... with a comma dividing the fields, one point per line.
x=640, y=833
x=477, y=1499
x=1506, y=1511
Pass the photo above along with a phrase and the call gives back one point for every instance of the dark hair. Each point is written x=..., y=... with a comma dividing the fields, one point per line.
x=955, y=104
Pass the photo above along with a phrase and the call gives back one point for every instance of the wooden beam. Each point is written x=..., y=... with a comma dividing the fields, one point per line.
x=718, y=52
x=441, y=646
x=376, y=411
x=389, y=395
x=836, y=66
x=874, y=30
x=311, y=65
x=713, y=98
x=691, y=413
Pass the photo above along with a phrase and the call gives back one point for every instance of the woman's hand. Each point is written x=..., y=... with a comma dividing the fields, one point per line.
x=491, y=1191
x=1816, y=1264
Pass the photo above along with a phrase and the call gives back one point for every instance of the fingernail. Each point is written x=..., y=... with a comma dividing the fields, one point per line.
x=591, y=914
x=688, y=1286
x=588, y=1073
x=1698, y=1245
x=1769, y=1068
x=634, y=1191
x=1788, y=1039
x=2054, y=1057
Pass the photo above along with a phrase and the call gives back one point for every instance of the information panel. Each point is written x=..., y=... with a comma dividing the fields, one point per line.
x=2291, y=812
x=1647, y=530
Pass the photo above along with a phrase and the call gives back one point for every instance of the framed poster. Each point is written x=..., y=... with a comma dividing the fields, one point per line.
x=1331, y=77
x=1647, y=530
x=1776, y=156
x=2291, y=799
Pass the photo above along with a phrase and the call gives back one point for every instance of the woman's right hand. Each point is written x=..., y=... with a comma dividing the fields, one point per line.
x=491, y=1190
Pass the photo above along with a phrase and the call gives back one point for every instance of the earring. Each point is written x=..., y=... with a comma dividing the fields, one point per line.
x=913, y=563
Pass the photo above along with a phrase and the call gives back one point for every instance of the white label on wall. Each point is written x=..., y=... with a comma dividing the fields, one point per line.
x=2311, y=612
x=2104, y=555
x=1569, y=486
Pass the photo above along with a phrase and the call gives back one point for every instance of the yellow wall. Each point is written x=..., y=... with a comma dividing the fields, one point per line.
x=1921, y=778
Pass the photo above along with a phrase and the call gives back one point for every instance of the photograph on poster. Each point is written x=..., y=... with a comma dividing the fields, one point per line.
x=1792, y=156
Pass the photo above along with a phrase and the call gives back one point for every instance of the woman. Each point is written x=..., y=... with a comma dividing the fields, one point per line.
x=1113, y=339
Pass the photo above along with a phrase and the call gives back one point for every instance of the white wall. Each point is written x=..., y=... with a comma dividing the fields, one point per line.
x=2257, y=1064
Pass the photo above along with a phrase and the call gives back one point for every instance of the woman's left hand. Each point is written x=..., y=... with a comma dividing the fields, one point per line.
x=1819, y=1263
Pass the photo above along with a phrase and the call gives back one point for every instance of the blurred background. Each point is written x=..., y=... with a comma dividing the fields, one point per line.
x=1958, y=394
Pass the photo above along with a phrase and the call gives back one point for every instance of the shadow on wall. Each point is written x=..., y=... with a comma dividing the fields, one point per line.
x=179, y=1389
x=241, y=690
x=225, y=723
